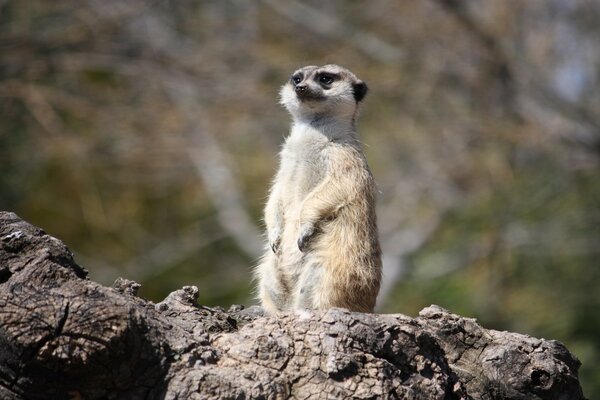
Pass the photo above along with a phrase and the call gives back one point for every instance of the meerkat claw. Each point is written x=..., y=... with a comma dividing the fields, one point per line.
x=275, y=245
x=305, y=234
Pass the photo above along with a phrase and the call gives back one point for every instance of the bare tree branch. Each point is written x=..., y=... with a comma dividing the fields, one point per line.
x=213, y=167
x=329, y=26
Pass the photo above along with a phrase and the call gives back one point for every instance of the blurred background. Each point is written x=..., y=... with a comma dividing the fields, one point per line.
x=144, y=134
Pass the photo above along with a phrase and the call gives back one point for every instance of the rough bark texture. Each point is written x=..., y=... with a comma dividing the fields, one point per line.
x=64, y=336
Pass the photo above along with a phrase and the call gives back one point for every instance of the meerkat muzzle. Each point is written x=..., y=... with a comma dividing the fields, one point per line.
x=306, y=93
x=301, y=89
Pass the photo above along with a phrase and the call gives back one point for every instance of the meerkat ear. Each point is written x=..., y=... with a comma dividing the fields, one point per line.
x=360, y=90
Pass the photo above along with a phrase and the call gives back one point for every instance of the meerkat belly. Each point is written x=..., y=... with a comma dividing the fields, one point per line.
x=299, y=182
x=302, y=172
x=302, y=179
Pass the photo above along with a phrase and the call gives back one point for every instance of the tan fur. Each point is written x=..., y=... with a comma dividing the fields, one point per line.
x=324, y=193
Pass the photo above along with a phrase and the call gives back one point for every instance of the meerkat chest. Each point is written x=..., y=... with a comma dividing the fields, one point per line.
x=304, y=165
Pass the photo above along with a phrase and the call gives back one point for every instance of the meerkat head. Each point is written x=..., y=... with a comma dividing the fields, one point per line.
x=314, y=93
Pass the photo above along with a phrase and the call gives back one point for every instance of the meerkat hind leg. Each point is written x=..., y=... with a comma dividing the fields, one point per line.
x=309, y=286
x=272, y=294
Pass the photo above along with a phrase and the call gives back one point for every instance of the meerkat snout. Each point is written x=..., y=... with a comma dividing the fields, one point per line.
x=305, y=93
x=300, y=90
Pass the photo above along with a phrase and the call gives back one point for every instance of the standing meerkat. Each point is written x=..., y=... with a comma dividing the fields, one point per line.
x=323, y=247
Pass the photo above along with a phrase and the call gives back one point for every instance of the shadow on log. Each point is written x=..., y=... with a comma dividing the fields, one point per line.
x=63, y=336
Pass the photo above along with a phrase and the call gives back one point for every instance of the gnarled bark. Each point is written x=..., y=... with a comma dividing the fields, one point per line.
x=64, y=336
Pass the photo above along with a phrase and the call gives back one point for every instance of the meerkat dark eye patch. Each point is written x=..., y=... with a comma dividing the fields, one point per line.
x=297, y=78
x=360, y=90
x=325, y=78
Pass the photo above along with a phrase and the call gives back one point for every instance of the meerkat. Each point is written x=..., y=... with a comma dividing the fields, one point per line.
x=323, y=248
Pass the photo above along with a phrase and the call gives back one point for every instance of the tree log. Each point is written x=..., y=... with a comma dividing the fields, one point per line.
x=63, y=336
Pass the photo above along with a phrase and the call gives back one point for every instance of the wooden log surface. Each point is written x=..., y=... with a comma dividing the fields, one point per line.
x=63, y=336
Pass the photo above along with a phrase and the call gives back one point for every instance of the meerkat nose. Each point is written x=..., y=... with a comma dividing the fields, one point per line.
x=300, y=89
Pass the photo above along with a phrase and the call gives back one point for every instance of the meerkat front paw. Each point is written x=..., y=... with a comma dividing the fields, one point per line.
x=275, y=240
x=307, y=231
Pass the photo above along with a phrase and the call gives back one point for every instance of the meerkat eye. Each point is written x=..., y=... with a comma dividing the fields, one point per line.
x=326, y=79
x=296, y=79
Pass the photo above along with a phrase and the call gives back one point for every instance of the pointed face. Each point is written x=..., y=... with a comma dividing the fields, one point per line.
x=322, y=92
